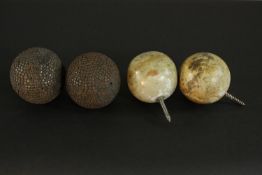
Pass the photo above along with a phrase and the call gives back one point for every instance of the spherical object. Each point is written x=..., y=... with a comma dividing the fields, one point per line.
x=152, y=75
x=204, y=78
x=92, y=80
x=35, y=75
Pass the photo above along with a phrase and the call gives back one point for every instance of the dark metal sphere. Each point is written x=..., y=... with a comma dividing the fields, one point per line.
x=35, y=75
x=92, y=80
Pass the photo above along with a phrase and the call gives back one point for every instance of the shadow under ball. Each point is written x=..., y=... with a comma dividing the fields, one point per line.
x=35, y=75
x=93, y=80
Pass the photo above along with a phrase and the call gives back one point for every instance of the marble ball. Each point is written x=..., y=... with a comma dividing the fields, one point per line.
x=204, y=78
x=152, y=75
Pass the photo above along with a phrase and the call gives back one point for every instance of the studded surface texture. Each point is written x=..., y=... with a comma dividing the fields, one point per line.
x=92, y=80
x=35, y=75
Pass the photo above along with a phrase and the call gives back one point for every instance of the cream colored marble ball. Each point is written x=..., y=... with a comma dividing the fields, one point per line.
x=152, y=75
x=204, y=78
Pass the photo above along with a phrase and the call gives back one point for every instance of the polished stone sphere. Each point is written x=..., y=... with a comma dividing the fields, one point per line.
x=92, y=80
x=35, y=75
x=204, y=78
x=152, y=75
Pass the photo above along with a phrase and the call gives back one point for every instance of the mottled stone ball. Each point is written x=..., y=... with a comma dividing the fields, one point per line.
x=35, y=75
x=152, y=75
x=92, y=80
x=204, y=78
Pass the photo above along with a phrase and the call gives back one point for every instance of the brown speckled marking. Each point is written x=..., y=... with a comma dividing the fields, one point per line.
x=152, y=73
x=195, y=64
